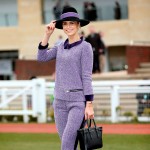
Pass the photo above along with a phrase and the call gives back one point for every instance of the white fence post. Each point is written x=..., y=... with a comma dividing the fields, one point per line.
x=4, y=97
x=24, y=104
x=114, y=103
x=41, y=100
x=34, y=97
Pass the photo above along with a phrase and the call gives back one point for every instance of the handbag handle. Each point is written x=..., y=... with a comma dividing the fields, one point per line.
x=89, y=124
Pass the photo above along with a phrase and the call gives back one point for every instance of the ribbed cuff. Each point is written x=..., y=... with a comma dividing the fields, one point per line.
x=40, y=47
x=89, y=97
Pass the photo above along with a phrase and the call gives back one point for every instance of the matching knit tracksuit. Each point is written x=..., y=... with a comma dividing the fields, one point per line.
x=73, y=86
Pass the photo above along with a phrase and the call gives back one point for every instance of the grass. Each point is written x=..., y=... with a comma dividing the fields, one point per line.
x=12, y=141
x=29, y=142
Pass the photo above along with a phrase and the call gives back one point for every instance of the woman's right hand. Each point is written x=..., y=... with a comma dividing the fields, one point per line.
x=48, y=31
x=50, y=27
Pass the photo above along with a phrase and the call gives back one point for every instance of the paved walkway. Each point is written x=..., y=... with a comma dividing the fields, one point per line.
x=50, y=128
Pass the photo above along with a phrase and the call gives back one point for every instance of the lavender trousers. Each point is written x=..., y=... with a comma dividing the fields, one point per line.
x=69, y=117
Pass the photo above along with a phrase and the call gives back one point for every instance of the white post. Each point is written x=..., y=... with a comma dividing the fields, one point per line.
x=24, y=104
x=4, y=97
x=41, y=100
x=114, y=103
x=34, y=97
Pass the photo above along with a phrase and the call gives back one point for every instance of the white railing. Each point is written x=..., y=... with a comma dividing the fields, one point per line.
x=38, y=89
x=115, y=88
x=12, y=90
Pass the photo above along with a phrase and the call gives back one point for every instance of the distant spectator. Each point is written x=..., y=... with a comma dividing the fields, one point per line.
x=93, y=12
x=66, y=4
x=102, y=53
x=57, y=10
x=90, y=11
x=117, y=11
x=95, y=40
x=85, y=10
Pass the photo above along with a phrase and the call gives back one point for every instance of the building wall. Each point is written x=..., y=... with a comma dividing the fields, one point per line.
x=30, y=30
x=136, y=55
x=25, y=69
x=139, y=15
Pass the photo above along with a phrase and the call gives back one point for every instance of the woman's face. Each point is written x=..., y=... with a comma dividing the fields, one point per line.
x=70, y=27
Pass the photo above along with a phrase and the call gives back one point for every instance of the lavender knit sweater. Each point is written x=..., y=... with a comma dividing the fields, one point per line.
x=73, y=70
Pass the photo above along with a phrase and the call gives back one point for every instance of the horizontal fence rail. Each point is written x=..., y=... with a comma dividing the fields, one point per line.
x=21, y=91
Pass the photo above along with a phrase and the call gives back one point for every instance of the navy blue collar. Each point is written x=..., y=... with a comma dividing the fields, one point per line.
x=68, y=46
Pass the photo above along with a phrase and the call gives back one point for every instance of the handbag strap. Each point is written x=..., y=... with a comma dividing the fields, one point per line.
x=85, y=142
x=89, y=124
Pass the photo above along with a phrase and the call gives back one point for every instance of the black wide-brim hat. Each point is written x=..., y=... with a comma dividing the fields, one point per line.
x=70, y=14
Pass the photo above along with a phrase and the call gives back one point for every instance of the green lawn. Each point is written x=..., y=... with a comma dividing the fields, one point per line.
x=51, y=142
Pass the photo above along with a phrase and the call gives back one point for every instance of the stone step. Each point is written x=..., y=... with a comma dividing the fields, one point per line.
x=108, y=110
x=145, y=65
x=142, y=70
x=133, y=102
x=140, y=76
x=102, y=96
x=123, y=101
x=106, y=96
x=100, y=112
x=15, y=103
x=122, y=104
x=115, y=75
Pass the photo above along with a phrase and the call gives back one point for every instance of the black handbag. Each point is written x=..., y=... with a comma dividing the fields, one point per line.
x=91, y=137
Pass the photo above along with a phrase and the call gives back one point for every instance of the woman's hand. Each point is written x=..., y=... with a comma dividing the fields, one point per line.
x=50, y=28
x=48, y=31
x=89, y=112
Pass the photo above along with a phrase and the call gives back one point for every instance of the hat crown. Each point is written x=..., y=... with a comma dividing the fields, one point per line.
x=69, y=9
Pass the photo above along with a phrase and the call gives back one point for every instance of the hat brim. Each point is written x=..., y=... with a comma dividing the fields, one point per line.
x=83, y=22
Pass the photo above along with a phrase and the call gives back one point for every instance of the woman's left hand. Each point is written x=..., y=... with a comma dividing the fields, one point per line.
x=89, y=112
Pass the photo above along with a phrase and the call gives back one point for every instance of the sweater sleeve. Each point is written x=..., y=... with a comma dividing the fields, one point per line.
x=89, y=97
x=87, y=65
x=45, y=54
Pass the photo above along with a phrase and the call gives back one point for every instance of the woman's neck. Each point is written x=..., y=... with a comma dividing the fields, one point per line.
x=73, y=39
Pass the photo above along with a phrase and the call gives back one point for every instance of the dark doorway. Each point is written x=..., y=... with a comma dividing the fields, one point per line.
x=7, y=64
x=117, y=58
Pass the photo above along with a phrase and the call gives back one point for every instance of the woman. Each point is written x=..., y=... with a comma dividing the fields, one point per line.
x=73, y=84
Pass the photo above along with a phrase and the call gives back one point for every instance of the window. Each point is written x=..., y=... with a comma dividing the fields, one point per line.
x=102, y=10
x=8, y=13
x=7, y=64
